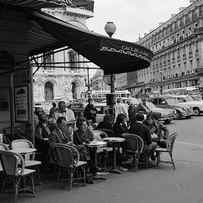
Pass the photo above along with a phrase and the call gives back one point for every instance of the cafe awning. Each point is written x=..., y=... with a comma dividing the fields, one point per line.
x=45, y=33
x=112, y=55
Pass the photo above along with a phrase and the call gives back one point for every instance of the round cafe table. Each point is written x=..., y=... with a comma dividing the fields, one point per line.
x=93, y=146
x=115, y=141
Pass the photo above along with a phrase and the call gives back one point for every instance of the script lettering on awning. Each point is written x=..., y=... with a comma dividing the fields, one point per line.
x=107, y=46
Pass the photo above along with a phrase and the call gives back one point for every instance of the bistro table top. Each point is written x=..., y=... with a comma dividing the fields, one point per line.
x=96, y=143
x=23, y=150
x=114, y=139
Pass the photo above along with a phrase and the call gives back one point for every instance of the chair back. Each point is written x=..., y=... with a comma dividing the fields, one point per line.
x=3, y=147
x=21, y=143
x=12, y=163
x=63, y=155
x=75, y=154
x=133, y=142
x=99, y=134
x=170, y=141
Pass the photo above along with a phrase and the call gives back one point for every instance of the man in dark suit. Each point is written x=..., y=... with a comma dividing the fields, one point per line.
x=60, y=134
x=138, y=128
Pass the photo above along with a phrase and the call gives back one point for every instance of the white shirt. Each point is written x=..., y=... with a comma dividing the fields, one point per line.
x=120, y=108
x=68, y=114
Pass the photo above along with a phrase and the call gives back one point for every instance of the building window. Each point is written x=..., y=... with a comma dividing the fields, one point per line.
x=49, y=91
x=73, y=60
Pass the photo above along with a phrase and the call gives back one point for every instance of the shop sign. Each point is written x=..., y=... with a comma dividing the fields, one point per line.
x=21, y=104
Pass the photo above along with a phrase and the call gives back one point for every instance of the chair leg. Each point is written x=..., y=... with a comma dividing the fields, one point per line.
x=71, y=178
x=84, y=174
x=135, y=161
x=158, y=159
x=32, y=185
x=171, y=156
x=38, y=175
x=3, y=184
x=58, y=174
x=16, y=181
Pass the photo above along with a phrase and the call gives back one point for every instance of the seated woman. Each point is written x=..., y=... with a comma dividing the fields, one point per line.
x=83, y=135
x=119, y=128
x=158, y=131
x=42, y=131
x=120, y=125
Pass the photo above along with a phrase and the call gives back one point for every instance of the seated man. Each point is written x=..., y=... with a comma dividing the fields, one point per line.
x=137, y=127
x=107, y=125
x=60, y=133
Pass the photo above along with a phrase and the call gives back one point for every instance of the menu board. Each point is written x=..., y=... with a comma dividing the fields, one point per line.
x=21, y=104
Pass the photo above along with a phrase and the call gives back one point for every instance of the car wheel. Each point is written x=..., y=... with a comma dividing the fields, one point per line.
x=178, y=115
x=168, y=121
x=196, y=111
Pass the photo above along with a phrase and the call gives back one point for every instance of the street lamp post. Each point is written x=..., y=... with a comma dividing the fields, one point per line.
x=110, y=29
x=88, y=84
x=161, y=85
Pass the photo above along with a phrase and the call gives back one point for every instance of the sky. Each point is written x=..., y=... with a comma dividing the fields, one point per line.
x=133, y=18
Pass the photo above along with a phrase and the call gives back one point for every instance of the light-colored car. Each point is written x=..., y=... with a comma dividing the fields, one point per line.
x=171, y=103
x=167, y=115
x=188, y=101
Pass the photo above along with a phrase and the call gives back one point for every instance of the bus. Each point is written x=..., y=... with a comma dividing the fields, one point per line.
x=193, y=91
x=100, y=95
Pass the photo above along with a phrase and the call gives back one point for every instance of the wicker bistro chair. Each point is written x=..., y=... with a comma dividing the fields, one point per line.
x=68, y=158
x=29, y=158
x=3, y=147
x=134, y=146
x=169, y=149
x=14, y=168
x=30, y=161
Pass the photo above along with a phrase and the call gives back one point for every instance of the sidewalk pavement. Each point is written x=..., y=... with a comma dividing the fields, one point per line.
x=162, y=185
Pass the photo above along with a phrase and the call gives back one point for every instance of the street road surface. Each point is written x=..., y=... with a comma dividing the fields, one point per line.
x=162, y=185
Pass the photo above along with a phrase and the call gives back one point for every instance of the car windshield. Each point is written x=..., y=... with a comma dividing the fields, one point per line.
x=150, y=105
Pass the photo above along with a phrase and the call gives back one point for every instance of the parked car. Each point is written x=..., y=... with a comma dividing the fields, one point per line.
x=166, y=115
x=186, y=100
x=170, y=103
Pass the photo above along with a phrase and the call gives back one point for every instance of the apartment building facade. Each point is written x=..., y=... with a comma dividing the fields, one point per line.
x=178, y=53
